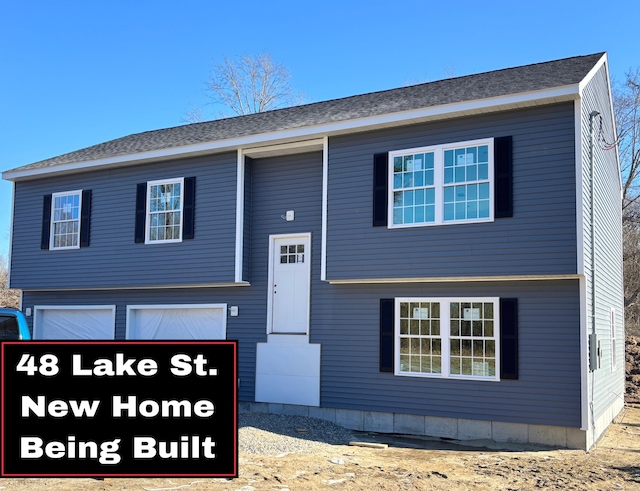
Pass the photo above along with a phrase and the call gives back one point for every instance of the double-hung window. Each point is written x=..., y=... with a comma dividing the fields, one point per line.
x=165, y=204
x=447, y=337
x=441, y=184
x=65, y=220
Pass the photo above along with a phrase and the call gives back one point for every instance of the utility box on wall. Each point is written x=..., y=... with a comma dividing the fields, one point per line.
x=595, y=352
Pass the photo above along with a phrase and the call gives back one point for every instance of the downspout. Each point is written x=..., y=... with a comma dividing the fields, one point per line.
x=593, y=351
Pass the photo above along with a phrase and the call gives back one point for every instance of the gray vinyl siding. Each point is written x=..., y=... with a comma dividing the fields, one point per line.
x=248, y=327
x=275, y=189
x=346, y=323
x=540, y=239
x=345, y=320
x=607, y=386
x=113, y=259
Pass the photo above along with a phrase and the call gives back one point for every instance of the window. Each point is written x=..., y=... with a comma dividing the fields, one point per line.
x=9, y=327
x=164, y=211
x=447, y=337
x=441, y=184
x=614, y=350
x=65, y=220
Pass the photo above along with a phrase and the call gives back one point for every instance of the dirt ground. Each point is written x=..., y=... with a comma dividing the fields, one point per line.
x=414, y=464
x=613, y=464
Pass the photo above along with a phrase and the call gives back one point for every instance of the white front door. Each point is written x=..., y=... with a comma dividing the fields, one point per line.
x=290, y=274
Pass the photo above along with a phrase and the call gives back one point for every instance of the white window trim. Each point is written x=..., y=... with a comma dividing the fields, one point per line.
x=132, y=308
x=37, y=312
x=147, y=222
x=445, y=336
x=52, y=246
x=613, y=339
x=438, y=151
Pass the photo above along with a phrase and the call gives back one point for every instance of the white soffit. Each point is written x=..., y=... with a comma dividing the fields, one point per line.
x=292, y=148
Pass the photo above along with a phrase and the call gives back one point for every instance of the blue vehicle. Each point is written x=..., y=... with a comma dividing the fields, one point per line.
x=13, y=325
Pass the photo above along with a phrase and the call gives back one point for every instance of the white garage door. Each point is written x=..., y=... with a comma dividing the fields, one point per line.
x=200, y=321
x=74, y=322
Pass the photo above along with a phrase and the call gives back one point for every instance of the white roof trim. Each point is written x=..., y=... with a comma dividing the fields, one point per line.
x=454, y=279
x=512, y=101
x=138, y=287
x=592, y=73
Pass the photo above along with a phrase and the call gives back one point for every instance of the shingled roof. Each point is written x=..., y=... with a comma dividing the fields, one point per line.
x=518, y=80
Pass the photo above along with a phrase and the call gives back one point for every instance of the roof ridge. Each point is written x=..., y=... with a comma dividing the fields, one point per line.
x=465, y=88
x=383, y=91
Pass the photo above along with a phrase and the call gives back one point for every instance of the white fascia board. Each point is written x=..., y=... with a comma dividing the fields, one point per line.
x=454, y=279
x=604, y=62
x=589, y=76
x=525, y=99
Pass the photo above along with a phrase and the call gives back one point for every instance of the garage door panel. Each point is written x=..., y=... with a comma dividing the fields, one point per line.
x=74, y=323
x=176, y=323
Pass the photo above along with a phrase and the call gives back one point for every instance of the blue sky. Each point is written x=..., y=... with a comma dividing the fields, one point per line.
x=74, y=73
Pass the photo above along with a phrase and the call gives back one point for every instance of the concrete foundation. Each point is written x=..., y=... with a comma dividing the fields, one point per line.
x=411, y=424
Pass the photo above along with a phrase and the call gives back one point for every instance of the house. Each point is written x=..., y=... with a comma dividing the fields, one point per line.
x=442, y=259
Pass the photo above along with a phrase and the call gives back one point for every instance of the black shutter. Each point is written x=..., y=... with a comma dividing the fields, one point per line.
x=141, y=211
x=386, y=334
x=188, y=216
x=46, y=222
x=380, y=178
x=509, y=338
x=503, y=177
x=85, y=218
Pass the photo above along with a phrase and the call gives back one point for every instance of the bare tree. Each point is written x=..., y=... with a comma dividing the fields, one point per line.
x=626, y=99
x=195, y=114
x=8, y=297
x=251, y=84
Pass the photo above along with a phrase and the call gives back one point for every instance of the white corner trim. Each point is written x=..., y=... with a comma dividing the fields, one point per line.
x=585, y=414
x=580, y=238
x=325, y=190
x=239, y=216
x=524, y=99
x=13, y=204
